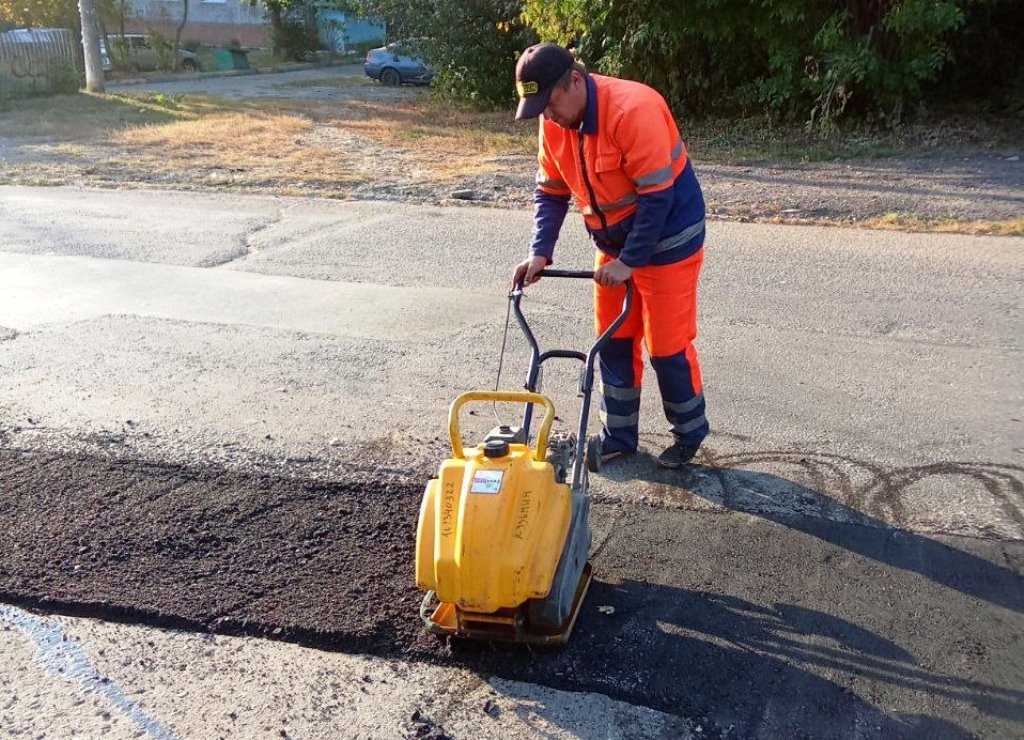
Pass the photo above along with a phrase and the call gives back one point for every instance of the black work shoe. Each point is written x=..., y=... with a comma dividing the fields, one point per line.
x=598, y=455
x=677, y=455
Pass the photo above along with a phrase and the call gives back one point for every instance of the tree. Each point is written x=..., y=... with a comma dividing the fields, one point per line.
x=292, y=35
x=177, y=34
x=41, y=13
x=91, y=47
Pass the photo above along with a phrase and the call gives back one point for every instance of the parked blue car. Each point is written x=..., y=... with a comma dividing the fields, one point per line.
x=397, y=63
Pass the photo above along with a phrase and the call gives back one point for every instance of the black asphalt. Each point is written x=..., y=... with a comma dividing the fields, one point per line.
x=751, y=626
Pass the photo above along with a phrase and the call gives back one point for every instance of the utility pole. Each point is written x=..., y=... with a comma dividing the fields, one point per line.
x=94, y=82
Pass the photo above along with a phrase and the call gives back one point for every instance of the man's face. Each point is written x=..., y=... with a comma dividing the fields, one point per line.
x=566, y=106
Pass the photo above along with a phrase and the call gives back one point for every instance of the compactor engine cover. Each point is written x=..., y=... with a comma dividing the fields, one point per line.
x=492, y=528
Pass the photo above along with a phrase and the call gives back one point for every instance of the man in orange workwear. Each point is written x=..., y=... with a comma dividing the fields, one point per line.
x=614, y=146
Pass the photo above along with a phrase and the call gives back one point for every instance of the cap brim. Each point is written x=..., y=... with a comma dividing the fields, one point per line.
x=532, y=106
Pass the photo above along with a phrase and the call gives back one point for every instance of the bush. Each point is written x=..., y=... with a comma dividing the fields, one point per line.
x=799, y=58
x=163, y=46
x=816, y=61
x=988, y=59
x=65, y=79
x=291, y=40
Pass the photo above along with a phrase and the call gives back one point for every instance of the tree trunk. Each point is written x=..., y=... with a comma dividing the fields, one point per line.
x=276, y=19
x=91, y=47
x=312, y=30
x=177, y=34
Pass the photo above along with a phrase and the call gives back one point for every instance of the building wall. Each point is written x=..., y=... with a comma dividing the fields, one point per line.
x=221, y=22
x=215, y=22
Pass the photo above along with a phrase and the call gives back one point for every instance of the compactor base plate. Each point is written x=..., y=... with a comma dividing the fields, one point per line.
x=507, y=625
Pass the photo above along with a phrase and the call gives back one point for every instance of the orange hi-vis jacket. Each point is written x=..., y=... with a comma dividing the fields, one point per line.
x=634, y=154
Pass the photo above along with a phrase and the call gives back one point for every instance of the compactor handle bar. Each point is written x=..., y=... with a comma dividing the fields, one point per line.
x=586, y=274
x=588, y=359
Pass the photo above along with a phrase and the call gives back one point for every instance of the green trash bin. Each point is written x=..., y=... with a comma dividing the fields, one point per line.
x=231, y=59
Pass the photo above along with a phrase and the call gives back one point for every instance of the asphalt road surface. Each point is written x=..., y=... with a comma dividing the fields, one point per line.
x=218, y=414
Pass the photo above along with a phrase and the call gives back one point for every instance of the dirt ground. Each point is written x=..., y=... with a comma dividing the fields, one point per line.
x=905, y=192
x=965, y=188
x=969, y=188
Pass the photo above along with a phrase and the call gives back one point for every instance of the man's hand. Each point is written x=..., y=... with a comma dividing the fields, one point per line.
x=526, y=271
x=613, y=273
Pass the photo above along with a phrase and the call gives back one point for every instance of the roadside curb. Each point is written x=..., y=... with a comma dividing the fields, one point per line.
x=275, y=69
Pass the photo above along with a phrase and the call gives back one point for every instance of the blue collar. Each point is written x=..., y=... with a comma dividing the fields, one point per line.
x=589, y=123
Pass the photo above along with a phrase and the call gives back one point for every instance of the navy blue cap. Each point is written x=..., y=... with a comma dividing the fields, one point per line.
x=537, y=71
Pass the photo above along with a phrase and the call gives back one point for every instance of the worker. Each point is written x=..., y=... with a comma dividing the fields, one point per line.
x=613, y=145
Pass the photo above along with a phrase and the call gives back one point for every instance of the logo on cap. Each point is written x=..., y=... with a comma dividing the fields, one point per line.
x=527, y=88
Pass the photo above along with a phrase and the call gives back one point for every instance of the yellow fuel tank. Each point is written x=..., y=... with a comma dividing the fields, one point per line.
x=491, y=530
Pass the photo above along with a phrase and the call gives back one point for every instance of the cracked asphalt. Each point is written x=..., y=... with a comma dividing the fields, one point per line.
x=218, y=416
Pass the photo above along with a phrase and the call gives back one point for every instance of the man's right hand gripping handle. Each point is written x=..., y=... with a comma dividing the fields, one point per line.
x=526, y=272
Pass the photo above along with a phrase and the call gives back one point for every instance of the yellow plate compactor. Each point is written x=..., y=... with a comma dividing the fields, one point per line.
x=503, y=533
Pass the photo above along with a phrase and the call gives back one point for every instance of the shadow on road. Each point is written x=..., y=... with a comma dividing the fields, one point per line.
x=744, y=670
x=843, y=490
x=782, y=669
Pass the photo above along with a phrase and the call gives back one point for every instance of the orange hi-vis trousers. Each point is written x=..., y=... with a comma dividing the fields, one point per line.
x=664, y=317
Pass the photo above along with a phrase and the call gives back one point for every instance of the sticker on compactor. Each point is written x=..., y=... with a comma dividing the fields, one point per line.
x=487, y=481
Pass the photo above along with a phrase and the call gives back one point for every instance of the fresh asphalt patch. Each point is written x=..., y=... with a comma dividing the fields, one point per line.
x=748, y=625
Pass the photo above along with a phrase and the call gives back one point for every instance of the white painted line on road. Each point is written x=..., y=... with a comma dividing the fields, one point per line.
x=62, y=656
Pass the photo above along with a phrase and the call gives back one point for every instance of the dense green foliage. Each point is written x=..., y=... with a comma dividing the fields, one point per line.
x=988, y=58
x=807, y=60
x=811, y=60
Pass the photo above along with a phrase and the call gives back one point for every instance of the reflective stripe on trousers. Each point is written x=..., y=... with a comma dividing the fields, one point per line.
x=664, y=317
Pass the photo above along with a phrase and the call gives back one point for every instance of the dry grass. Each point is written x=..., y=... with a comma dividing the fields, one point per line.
x=81, y=118
x=302, y=146
x=267, y=141
x=434, y=137
x=178, y=140
x=239, y=142
x=758, y=138
x=901, y=222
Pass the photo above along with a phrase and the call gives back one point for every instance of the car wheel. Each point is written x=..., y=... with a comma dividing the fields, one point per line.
x=390, y=77
x=189, y=65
